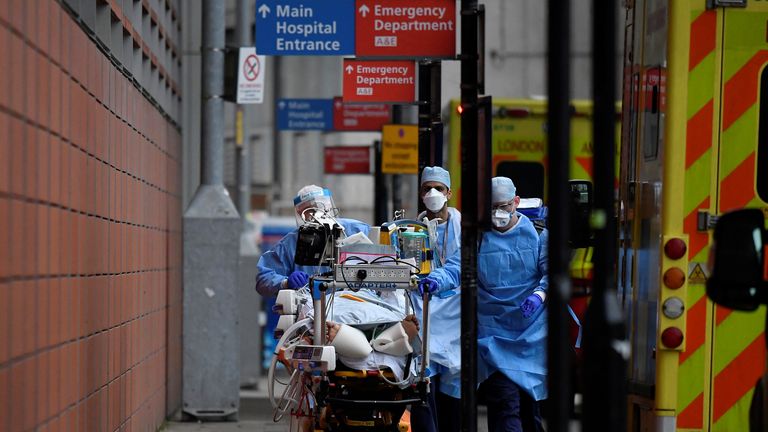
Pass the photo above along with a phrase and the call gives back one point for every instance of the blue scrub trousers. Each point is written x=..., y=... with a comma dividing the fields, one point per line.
x=424, y=417
x=510, y=409
x=448, y=413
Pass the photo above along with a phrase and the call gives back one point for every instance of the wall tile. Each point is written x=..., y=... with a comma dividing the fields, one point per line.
x=5, y=395
x=31, y=75
x=31, y=153
x=42, y=313
x=44, y=70
x=54, y=325
x=5, y=151
x=17, y=82
x=5, y=240
x=29, y=227
x=17, y=143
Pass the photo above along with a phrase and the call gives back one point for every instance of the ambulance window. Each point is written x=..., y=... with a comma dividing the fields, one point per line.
x=527, y=176
x=762, y=139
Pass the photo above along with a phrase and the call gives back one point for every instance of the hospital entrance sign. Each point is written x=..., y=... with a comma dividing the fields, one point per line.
x=416, y=28
x=379, y=81
x=305, y=27
x=400, y=149
x=305, y=114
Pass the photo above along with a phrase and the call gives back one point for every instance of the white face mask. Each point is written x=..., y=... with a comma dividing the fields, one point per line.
x=434, y=200
x=500, y=218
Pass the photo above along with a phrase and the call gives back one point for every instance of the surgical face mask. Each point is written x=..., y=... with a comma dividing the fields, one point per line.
x=434, y=200
x=500, y=218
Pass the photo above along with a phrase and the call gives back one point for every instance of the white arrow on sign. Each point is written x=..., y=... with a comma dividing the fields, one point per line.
x=350, y=69
x=281, y=104
x=264, y=10
x=364, y=10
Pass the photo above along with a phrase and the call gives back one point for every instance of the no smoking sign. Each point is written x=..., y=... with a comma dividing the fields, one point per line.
x=250, y=79
x=251, y=67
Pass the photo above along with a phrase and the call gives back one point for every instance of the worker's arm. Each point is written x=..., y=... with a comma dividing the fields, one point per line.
x=275, y=265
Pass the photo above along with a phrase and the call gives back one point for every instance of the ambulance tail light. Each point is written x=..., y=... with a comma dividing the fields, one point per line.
x=459, y=109
x=675, y=248
x=672, y=337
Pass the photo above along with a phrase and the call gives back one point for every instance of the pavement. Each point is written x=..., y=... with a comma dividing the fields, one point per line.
x=256, y=415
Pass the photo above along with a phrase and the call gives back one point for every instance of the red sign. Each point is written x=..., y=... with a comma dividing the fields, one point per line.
x=413, y=28
x=348, y=160
x=359, y=117
x=379, y=81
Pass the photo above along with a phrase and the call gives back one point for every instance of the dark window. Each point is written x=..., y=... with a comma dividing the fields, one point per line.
x=527, y=176
x=762, y=139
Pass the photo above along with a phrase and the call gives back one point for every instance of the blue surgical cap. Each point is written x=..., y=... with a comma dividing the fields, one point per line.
x=436, y=174
x=502, y=189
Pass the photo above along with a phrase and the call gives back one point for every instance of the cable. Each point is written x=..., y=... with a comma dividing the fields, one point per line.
x=281, y=344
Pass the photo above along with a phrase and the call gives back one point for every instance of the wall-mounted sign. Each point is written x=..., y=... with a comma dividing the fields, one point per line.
x=360, y=117
x=305, y=27
x=348, y=160
x=305, y=114
x=400, y=149
x=413, y=28
x=250, y=77
x=379, y=81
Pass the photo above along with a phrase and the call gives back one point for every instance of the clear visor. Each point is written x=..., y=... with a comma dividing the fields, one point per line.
x=306, y=206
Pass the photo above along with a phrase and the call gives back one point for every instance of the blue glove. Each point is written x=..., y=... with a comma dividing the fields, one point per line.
x=428, y=285
x=530, y=305
x=297, y=279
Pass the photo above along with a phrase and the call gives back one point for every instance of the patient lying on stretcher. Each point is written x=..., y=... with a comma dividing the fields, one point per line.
x=370, y=331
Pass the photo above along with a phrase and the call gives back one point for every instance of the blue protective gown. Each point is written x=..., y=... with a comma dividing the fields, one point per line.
x=445, y=307
x=511, y=266
x=277, y=264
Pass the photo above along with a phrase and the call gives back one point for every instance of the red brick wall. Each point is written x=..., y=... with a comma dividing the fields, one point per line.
x=90, y=222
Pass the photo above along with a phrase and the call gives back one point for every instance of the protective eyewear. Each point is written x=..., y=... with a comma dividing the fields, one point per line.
x=506, y=207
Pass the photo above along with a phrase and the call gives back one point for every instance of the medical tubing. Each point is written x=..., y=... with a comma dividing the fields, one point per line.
x=293, y=386
x=271, y=374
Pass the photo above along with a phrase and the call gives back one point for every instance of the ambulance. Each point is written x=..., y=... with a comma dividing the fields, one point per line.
x=694, y=145
x=519, y=146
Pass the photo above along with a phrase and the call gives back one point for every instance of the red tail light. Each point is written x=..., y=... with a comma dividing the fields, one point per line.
x=672, y=337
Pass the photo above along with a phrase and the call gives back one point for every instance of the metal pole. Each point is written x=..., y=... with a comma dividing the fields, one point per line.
x=212, y=227
x=436, y=134
x=212, y=130
x=604, y=337
x=469, y=225
x=241, y=139
x=277, y=174
x=425, y=120
x=397, y=179
x=381, y=214
x=558, y=118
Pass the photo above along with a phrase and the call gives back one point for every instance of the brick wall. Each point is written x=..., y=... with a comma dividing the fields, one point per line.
x=90, y=223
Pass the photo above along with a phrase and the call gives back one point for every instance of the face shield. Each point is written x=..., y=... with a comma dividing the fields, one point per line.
x=312, y=199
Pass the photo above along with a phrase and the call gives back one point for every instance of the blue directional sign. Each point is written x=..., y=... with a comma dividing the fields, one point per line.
x=305, y=27
x=305, y=114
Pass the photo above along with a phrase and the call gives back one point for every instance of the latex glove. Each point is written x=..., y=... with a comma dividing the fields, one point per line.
x=428, y=285
x=297, y=279
x=530, y=305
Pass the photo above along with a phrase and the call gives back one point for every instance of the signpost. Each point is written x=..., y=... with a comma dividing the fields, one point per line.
x=360, y=117
x=305, y=27
x=348, y=160
x=250, y=77
x=305, y=114
x=379, y=81
x=400, y=149
x=416, y=28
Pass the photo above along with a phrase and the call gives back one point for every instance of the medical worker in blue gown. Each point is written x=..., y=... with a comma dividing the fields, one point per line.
x=444, y=308
x=512, y=317
x=276, y=267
